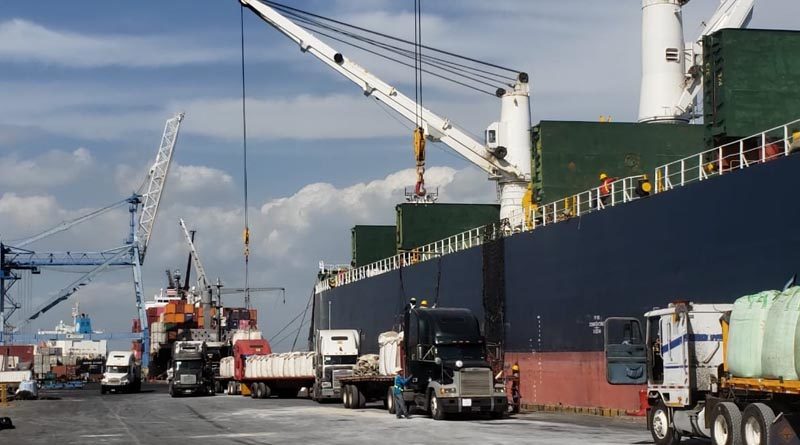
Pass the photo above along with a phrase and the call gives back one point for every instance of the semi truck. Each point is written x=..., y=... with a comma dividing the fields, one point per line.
x=254, y=370
x=335, y=354
x=444, y=353
x=702, y=364
x=191, y=370
x=122, y=374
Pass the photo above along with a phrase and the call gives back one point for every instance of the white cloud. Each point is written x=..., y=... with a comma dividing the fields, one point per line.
x=18, y=211
x=25, y=41
x=196, y=178
x=55, y=167
x=335, y=116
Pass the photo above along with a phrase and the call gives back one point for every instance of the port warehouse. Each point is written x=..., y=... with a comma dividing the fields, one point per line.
x=548, y=291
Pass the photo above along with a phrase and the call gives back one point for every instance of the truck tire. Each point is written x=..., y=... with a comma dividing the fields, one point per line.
x=756, y=421
x=359, y=401
x=661, y=427
x=726, y=427
x=390, y=401
x=267, y=391
x=217, y=387
x=435, y=408
x=346, y=396
x=254, y=390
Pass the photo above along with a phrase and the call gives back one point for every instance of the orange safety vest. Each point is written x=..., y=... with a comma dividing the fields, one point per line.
x=605, y=186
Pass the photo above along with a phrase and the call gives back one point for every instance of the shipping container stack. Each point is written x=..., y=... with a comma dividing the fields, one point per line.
x=180, y=320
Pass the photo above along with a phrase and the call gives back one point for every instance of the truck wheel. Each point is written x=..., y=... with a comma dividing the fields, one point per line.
x=217, y=387
x=254, y=390
x=267, y=391
x=390, y=401
x=359, y=401
x=727, y=426
x=346, y=396
x=756, y=422
x=661, y=426
x=437, y=413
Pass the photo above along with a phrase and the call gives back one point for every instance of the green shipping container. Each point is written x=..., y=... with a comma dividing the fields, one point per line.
x=372, y=243
x=568, y=157
x=751, y=82
x=420, y=224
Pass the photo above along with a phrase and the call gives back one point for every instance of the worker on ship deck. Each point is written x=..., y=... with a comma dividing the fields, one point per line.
x=605, y=187
x=397, y=390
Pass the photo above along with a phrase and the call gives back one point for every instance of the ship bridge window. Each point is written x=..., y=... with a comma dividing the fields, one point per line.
x=672, y=55
x=339, y=338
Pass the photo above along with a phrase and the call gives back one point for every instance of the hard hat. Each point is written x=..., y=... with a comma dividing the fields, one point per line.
x=515, y=367
x=423, y=303
x=603, y=176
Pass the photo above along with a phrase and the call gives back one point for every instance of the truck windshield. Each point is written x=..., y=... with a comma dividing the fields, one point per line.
x=188, y=365
x=117, y=369
x=460, y=352
x=340, y=359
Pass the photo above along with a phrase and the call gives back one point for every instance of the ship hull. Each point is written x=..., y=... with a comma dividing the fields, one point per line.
x=548, y=291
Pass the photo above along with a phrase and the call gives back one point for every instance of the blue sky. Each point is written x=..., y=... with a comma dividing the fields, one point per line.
x=86, y=88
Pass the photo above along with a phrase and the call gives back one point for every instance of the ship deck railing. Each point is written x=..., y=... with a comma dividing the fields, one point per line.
x=737, y=155
x=756, y=149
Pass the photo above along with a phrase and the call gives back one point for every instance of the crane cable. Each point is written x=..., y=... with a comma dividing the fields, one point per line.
x=246, y=233
x=419, y=132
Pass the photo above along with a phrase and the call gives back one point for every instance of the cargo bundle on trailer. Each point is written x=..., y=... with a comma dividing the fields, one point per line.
x=728, y=372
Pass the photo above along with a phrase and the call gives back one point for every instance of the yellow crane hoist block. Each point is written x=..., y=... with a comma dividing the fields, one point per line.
x=419, y=146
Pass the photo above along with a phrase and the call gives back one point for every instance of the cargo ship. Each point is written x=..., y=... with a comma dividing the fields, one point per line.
x=701, y=213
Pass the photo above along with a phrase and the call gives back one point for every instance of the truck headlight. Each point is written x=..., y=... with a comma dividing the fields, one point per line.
x=443, y=390
x=326, y=384
x=499, y=388
x=459, y=363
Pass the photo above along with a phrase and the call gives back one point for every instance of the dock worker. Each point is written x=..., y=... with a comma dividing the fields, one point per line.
x=605, y=187
x=400, y=383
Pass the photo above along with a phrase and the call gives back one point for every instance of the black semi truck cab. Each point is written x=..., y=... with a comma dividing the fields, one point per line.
x=445, y=353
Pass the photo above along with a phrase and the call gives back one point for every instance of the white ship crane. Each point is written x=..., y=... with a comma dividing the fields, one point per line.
x=506, y=152
x=672, y=68
x=203, y=285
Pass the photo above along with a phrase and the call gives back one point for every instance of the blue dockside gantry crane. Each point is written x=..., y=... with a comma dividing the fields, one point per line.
x=143, y=208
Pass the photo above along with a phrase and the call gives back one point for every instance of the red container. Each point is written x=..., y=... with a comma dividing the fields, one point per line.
x=244, y=348
x=24, y=352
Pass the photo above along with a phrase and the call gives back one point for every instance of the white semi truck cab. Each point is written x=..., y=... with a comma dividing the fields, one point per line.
x=336, y=353
x=692, y=390
x=122, y=373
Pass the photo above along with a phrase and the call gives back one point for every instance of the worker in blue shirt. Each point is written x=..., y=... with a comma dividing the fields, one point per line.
x=400, y=383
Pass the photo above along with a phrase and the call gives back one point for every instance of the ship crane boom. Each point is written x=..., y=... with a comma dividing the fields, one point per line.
x=505, y=155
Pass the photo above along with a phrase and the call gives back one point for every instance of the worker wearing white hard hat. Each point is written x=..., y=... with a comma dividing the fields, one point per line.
x=397, y=390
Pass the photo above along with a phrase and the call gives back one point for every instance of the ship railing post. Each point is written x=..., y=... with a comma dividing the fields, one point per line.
x=764, y=147
x=683, y=172
x=701, y=172
x=741, y=154
x=786, y=140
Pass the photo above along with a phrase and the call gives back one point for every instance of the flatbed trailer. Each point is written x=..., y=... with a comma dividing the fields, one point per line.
x=285, y=387
x=357, y=391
